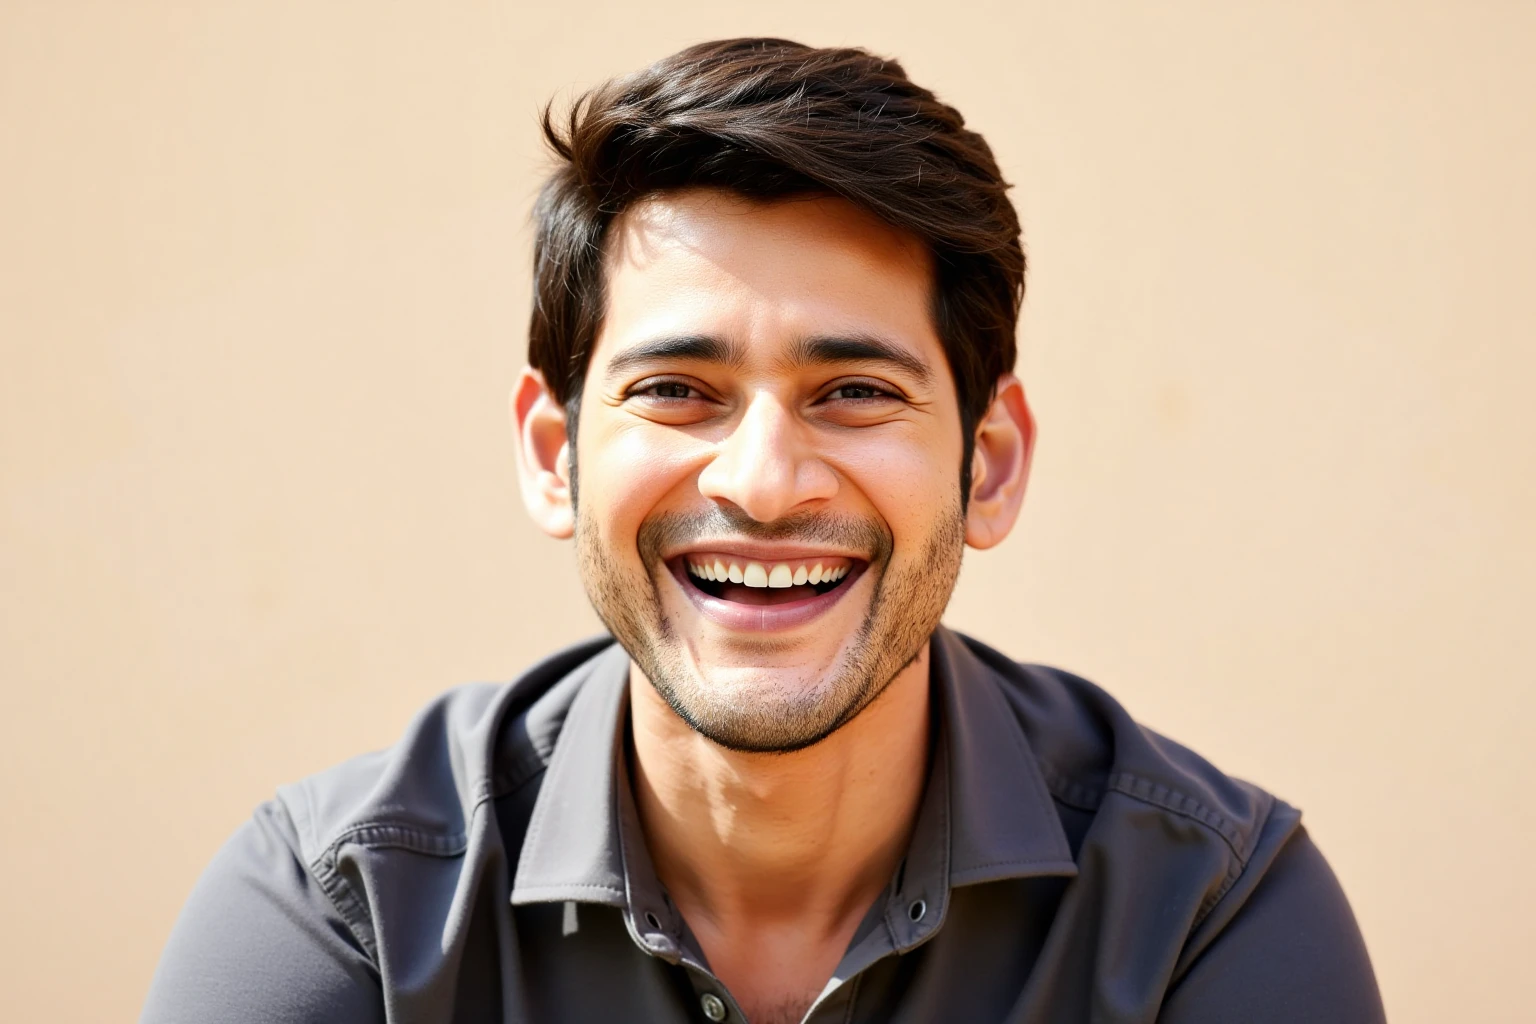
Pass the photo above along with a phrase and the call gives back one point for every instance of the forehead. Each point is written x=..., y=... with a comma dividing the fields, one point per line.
x=763, y=273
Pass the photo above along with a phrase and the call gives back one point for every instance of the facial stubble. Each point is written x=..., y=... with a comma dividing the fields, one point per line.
x=773, y=714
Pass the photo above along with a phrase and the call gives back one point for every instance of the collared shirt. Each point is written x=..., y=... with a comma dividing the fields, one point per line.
x=1065, y=865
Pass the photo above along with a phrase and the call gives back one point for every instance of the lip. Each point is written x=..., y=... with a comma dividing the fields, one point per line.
x=760, y=552
x=771, y=618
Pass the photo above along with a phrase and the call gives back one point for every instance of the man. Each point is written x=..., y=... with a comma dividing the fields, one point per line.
x=770, y=397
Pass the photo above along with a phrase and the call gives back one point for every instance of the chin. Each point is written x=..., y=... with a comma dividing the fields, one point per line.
x=791, y=664
x=767, y=704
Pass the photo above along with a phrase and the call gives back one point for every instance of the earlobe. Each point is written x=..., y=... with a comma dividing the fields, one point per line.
x=543, y=454
x=1005, y=443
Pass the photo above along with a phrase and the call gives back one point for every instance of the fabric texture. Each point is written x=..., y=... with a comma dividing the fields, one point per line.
x=1066, y=865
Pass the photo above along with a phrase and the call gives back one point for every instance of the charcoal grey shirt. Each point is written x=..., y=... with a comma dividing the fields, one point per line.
x=1066, y=865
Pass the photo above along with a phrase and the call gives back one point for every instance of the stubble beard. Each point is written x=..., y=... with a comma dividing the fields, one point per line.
x=768, y=714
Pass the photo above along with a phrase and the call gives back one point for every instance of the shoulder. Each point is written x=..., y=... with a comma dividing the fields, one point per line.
x=363, y=850
x=1210, y=887
x=1113, y=778
x=466, y=746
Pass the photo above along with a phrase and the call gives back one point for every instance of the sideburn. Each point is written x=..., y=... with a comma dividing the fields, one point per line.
x=572, y=416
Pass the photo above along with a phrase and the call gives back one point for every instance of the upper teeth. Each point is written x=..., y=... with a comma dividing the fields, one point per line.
x=757, y=574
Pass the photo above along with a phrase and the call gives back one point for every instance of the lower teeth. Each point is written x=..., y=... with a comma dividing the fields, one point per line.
x=715, y=588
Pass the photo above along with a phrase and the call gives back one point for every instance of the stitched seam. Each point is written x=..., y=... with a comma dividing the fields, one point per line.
x=1031, y=862
x=893, y=913
x=1234, y=872
x=1089, y=798
x=391, y=835
x=348, y=906
x=1158, y=795
x=557, y=889
x=1207, y=905
x=981, y=874
x=377, y=836
x=1086, y=797
x=1073, y=793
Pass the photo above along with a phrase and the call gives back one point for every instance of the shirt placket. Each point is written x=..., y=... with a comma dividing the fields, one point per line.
x=908, y=915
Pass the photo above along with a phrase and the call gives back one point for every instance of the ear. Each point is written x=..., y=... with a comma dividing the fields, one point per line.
x=1005, y=442
x=543, y=455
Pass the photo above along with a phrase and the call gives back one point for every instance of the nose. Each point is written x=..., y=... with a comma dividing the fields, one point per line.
x=767, y=465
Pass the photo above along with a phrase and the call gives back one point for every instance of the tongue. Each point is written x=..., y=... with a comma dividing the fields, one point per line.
x=743, y=594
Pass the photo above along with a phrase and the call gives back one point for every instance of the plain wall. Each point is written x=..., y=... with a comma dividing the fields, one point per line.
x=264, y=286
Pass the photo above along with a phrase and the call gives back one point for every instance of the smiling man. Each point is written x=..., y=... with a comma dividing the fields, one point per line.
x=771, y=399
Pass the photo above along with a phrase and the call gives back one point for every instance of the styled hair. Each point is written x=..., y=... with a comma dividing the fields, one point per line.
x=770, y=119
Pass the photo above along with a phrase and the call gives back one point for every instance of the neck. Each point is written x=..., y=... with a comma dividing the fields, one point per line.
x=805, y=840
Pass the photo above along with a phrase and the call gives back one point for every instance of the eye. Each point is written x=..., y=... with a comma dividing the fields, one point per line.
x=664, y=390
x=858, y=391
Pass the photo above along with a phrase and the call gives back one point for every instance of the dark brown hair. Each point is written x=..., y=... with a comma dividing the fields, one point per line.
x=769, y=119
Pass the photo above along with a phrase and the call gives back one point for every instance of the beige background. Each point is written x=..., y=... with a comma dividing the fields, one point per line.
x=263, y=286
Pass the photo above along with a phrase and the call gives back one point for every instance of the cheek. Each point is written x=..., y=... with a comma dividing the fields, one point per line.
x=628, y=472
x=909, y=482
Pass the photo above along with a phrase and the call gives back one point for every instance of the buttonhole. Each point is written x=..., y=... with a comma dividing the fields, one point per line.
x=917, y=910
x=651, y=920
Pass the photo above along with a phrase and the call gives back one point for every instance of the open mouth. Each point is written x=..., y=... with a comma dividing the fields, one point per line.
x=747, y=593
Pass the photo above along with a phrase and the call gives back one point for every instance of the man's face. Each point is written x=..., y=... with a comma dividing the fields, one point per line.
x=769, y=451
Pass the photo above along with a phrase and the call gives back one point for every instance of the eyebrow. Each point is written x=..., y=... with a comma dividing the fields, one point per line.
x=814, y=351
x=704, y=348
x=858, y=348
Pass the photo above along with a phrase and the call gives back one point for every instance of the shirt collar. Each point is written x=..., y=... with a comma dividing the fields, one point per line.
x=572, y=849
x=1004, y=822
x=986, y=814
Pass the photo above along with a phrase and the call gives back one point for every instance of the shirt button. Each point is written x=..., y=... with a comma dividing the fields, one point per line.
x=714, y=1006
